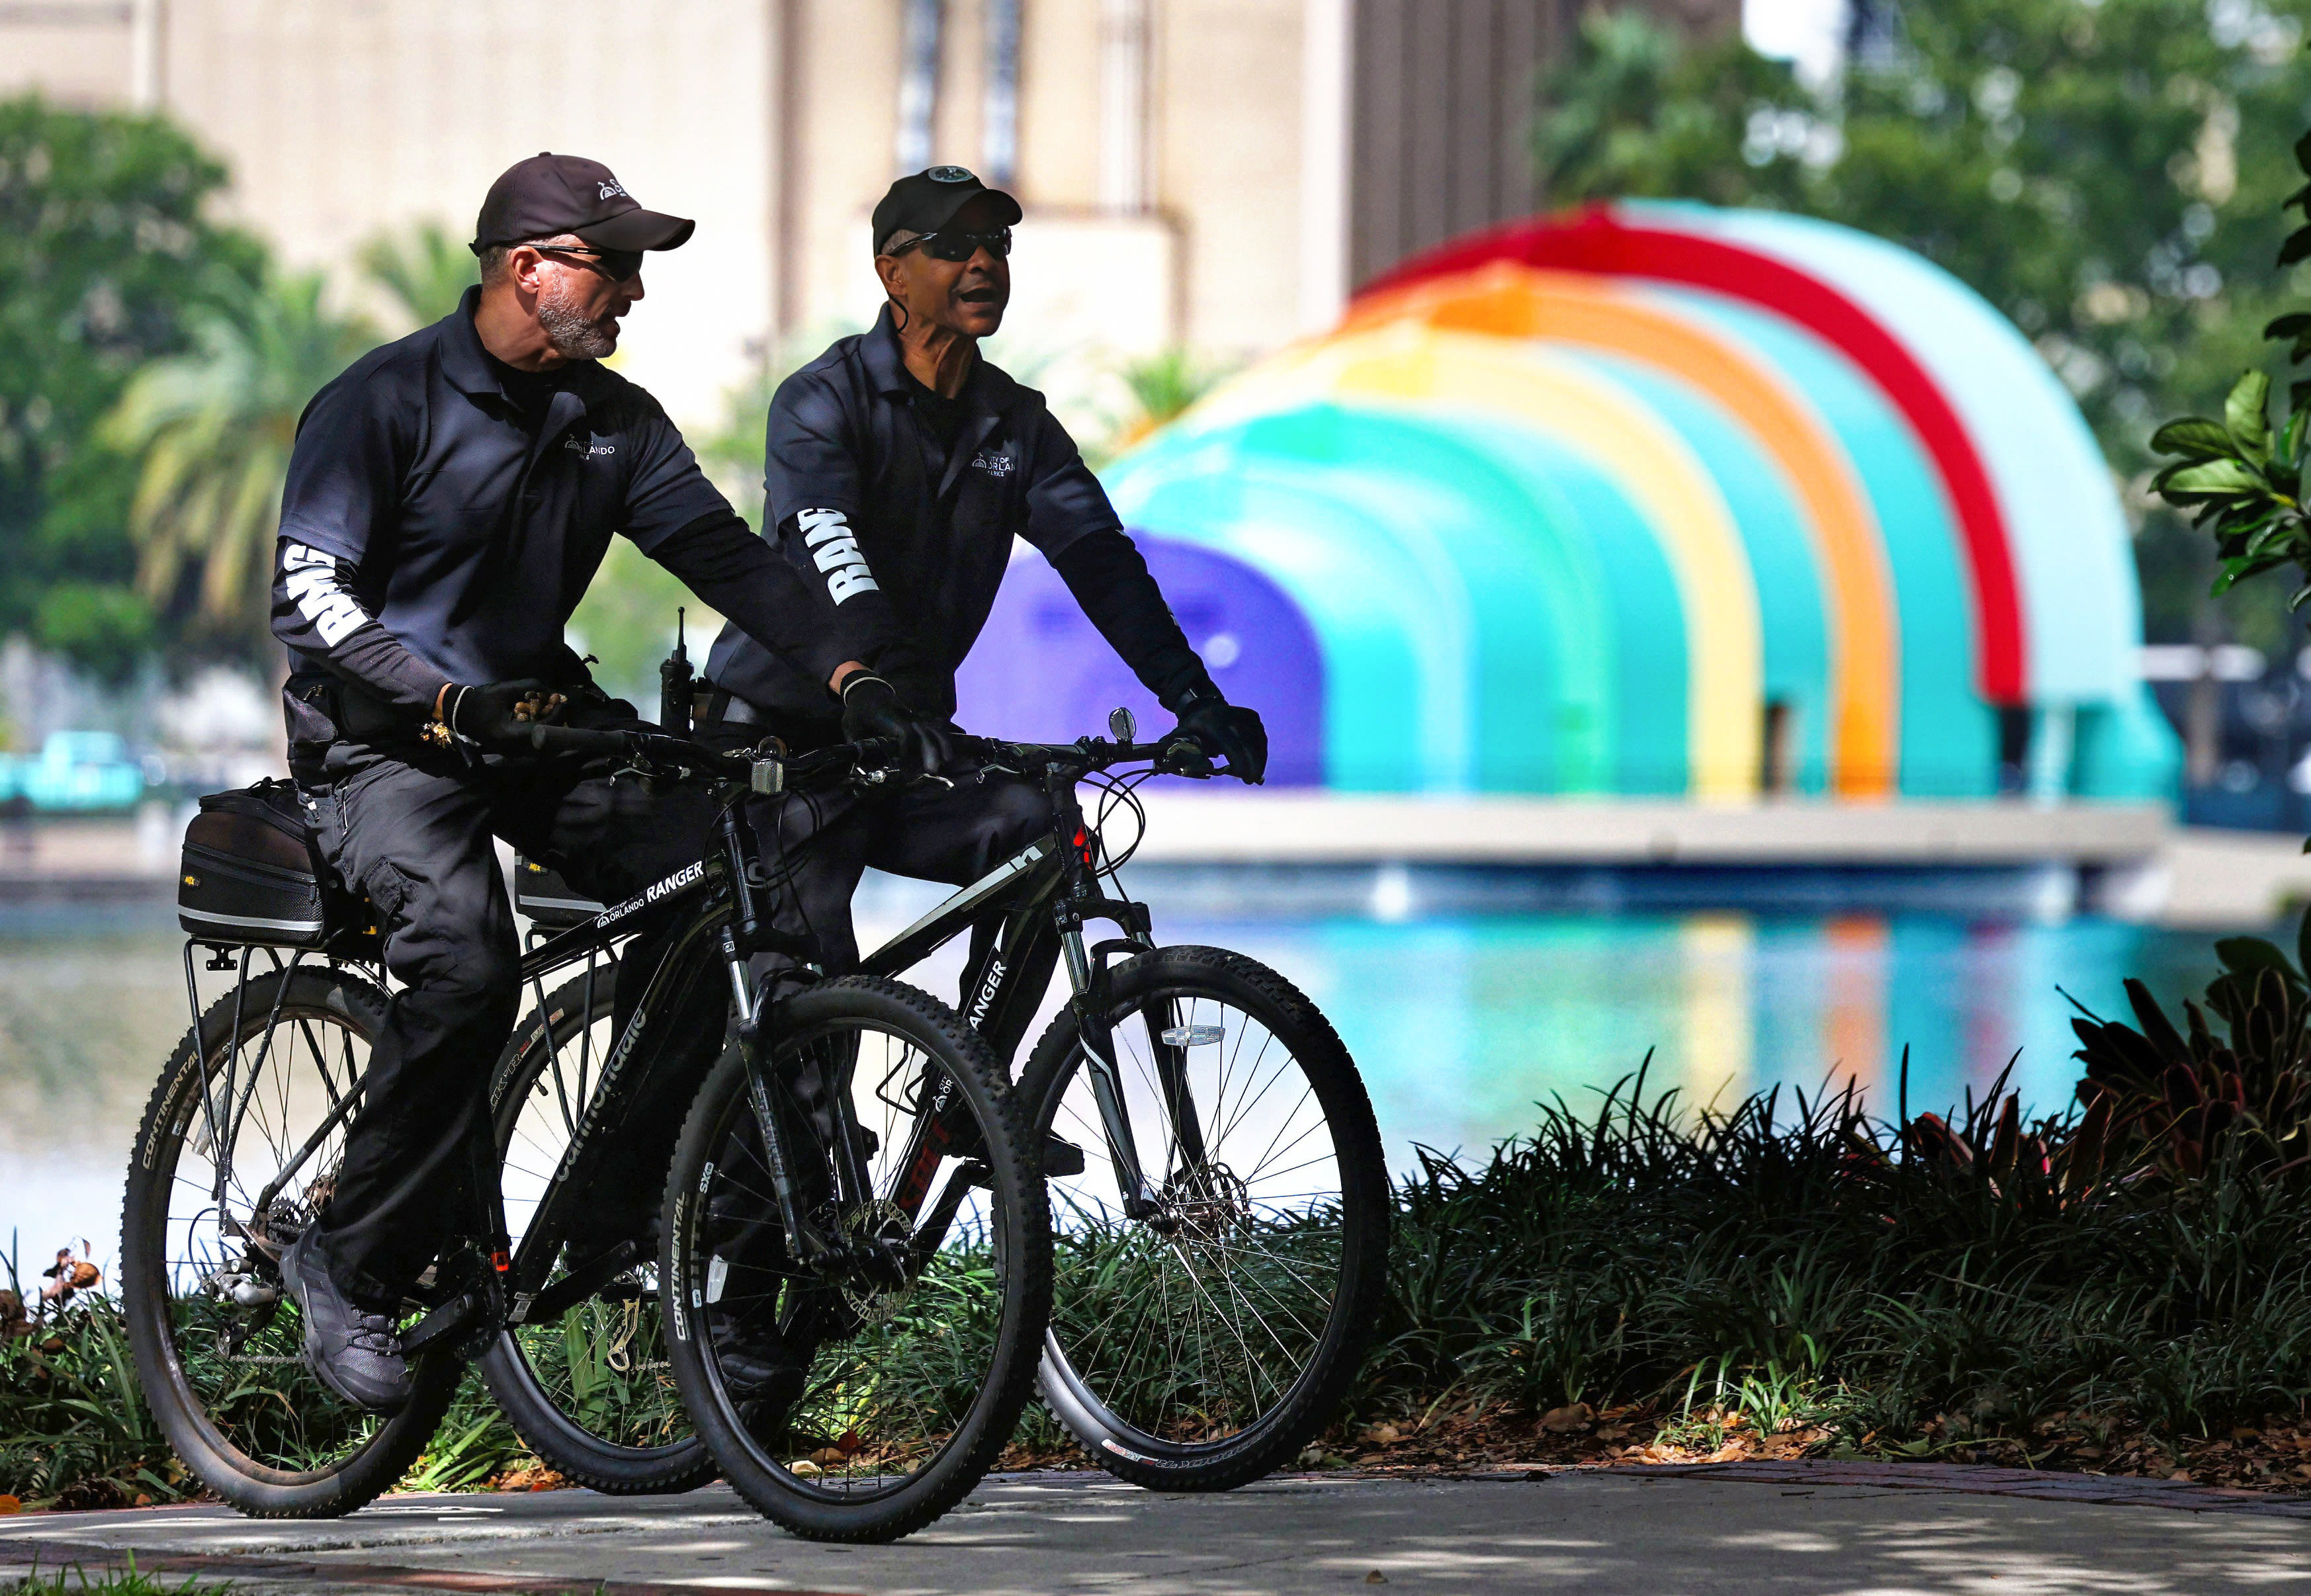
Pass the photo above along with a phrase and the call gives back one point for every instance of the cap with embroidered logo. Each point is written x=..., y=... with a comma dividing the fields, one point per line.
x=927, y=201
x=549, y=194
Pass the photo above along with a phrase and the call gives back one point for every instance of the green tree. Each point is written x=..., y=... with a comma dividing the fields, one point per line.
x=106, y=252
x=425, y=270
x=212, y=430
x=2107, y=172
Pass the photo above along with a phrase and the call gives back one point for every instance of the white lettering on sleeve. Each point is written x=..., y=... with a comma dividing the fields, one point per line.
x=827, y=533
x=310, y=577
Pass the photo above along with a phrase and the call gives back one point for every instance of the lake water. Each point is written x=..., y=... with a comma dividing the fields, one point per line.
x=1458, y=1023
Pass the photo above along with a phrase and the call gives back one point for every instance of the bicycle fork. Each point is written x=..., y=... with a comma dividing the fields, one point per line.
x=1098, y=1043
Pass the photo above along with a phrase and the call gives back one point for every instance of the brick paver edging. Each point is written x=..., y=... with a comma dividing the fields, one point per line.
x=242, y=1569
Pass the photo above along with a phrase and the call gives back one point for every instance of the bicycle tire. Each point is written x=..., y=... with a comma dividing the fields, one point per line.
x=381, y=1449
x=710, y=1198
x=562, y=1438
x=1131, y=1446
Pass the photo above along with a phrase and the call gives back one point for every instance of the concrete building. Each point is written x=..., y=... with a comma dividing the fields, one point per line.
x=1217, y=173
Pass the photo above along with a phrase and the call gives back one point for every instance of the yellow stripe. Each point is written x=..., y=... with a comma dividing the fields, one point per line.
x=1651, y=464
x=1863, y=629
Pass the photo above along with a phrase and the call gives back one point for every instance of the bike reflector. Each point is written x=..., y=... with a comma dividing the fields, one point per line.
x=1192, y=1036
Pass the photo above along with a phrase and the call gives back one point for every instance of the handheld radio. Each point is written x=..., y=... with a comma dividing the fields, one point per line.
x=674, y=686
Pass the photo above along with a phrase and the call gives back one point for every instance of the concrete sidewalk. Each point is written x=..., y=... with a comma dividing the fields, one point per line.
x=1824, y=1529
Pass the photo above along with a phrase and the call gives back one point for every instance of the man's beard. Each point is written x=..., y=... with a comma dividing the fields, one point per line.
x=574, y=335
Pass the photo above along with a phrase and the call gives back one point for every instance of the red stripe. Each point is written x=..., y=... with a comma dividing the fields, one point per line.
x=1594, y=240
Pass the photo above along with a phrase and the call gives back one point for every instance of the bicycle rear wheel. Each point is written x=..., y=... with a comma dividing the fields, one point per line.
x=845, y=1404
x=1200, y=1345
x=237, y=1149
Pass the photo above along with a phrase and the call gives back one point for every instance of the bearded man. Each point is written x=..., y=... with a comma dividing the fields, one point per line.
x=448, y=500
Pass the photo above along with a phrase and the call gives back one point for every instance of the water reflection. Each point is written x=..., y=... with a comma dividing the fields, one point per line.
x=1460, y=1024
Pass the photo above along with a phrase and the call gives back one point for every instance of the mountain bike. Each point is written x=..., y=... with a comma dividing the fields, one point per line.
x=1220, y=1201
x=239, y=1149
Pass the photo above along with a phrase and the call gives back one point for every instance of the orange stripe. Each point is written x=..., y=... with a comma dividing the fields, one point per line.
x=1515, y=301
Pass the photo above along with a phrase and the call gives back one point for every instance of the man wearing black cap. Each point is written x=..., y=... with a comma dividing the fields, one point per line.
x=899, y=466
x=448, y=500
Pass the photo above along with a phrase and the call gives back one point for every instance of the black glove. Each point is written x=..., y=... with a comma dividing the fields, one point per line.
x=871, y=707
x=500, y=714
x=1227, y=732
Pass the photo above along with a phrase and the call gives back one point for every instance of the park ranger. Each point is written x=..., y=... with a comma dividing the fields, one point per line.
x=899, y=466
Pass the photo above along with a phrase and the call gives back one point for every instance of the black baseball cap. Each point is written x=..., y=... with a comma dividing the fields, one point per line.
x=550, y=195
x=929, y=200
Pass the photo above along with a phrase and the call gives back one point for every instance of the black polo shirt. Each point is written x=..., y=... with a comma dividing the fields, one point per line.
x=472, y=527
x=906, y=535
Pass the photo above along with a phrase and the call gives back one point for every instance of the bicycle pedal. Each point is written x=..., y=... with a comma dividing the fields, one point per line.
x=1061, y=1157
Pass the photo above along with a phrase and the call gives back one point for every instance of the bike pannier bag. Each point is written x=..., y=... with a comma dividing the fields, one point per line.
x=250, y=874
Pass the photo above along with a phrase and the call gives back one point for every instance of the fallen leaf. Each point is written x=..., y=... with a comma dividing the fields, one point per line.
x=848, y=1443
x=1565, y=1420
x=1375, y=1578
x=11, y=1504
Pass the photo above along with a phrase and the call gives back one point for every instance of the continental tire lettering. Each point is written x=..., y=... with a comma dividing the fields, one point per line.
x=170, y=1121
x=681, y=1227
x=834, y=549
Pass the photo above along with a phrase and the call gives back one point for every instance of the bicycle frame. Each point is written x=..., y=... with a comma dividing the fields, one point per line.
x=1045, y=894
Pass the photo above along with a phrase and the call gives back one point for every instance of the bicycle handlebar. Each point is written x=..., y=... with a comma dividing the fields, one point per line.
x=1176, y=755
x=764, y=774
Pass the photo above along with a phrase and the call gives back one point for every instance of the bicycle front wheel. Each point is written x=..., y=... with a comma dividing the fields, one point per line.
x=587, y=1388
x=236, y=1153
x=1199, y=1343
x=859, y=1395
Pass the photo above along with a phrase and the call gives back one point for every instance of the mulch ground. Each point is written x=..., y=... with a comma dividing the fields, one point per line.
x=2273, y=1457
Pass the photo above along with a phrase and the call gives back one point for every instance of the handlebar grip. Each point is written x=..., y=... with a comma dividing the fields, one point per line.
x=1182, y=755
x=578, y=740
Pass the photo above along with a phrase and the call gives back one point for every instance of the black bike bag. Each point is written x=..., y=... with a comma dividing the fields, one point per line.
x=252, y=874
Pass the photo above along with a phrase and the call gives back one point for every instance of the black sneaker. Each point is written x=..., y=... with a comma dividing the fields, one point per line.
x=354, y=1353
x=765, y=1382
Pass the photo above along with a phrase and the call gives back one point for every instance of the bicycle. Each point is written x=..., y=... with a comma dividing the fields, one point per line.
x=237, y=1149
x=1221, y=1250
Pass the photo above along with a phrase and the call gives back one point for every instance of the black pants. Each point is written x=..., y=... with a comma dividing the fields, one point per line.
x=932, y=833
x=414, y=830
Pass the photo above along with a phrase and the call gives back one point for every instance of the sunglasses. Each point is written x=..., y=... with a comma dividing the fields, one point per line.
x=616, y=265
x=957, y=246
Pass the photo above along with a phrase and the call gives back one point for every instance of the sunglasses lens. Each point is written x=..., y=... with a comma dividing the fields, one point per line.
x=622, y=264
x=957, y=247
